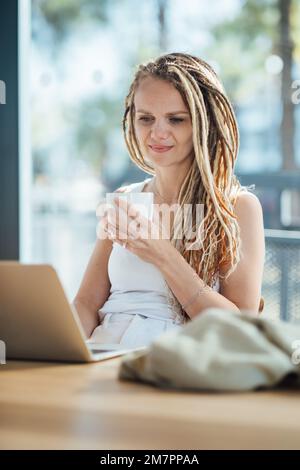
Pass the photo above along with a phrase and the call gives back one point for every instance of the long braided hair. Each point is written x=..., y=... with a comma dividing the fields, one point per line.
x=210, y=180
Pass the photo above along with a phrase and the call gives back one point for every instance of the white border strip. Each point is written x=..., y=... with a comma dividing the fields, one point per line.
x=25, y=158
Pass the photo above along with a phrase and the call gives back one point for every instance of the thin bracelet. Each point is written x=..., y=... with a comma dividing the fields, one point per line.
x=194, y=297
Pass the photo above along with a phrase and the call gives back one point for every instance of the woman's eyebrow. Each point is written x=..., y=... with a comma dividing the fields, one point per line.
x=167, y=114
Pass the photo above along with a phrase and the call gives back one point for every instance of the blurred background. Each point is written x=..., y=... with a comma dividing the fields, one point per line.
x=83, y=54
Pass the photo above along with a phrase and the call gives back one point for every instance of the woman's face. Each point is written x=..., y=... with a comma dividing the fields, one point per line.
x=162, y=119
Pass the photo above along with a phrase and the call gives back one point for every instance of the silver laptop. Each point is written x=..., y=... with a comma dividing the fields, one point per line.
x=37, y=322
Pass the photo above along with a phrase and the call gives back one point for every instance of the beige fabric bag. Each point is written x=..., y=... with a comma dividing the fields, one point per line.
x=221, y=351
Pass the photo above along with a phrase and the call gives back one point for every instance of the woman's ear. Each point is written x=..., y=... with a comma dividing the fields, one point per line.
x=261, y=305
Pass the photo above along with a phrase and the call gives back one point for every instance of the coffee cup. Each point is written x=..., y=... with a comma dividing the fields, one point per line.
x=142, y=202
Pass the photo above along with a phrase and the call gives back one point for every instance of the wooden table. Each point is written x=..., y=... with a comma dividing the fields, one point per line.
x=59, y=406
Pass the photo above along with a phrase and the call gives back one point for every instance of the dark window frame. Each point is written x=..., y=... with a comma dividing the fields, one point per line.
x=9, y=133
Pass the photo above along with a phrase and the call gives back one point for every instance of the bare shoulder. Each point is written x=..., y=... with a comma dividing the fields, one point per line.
x=249, y=214
x=247, y=204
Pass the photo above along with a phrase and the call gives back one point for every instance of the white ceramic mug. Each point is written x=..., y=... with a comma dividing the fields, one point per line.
x=143, y=202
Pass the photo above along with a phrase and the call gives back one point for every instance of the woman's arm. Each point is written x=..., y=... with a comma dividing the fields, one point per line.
x=243, y=286
x=95, y=286
x=185, y=284
x=242, y=290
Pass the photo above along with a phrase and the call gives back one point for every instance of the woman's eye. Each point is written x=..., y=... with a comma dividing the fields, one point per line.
x=145, y=119
x=173, y=120
x=176, y=120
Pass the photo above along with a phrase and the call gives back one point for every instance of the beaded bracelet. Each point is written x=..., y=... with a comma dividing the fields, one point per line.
x=194, y=297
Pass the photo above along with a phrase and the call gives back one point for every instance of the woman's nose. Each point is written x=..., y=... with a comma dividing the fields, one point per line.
x=160, y=130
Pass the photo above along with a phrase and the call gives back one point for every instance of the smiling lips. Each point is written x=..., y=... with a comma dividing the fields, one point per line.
x=160, y=149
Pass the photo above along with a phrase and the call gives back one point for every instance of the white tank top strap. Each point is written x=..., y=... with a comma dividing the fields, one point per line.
x=216, y=285
x=137, y=187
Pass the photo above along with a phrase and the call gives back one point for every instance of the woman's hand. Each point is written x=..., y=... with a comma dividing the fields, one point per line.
x=126, y=226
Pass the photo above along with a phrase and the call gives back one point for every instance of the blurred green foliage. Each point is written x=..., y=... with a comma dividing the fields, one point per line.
x=239, y=45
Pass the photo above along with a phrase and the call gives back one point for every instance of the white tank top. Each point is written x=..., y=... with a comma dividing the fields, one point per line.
x=136, y=285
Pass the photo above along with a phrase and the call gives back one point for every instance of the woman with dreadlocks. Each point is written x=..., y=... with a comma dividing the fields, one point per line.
x=179, y=127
